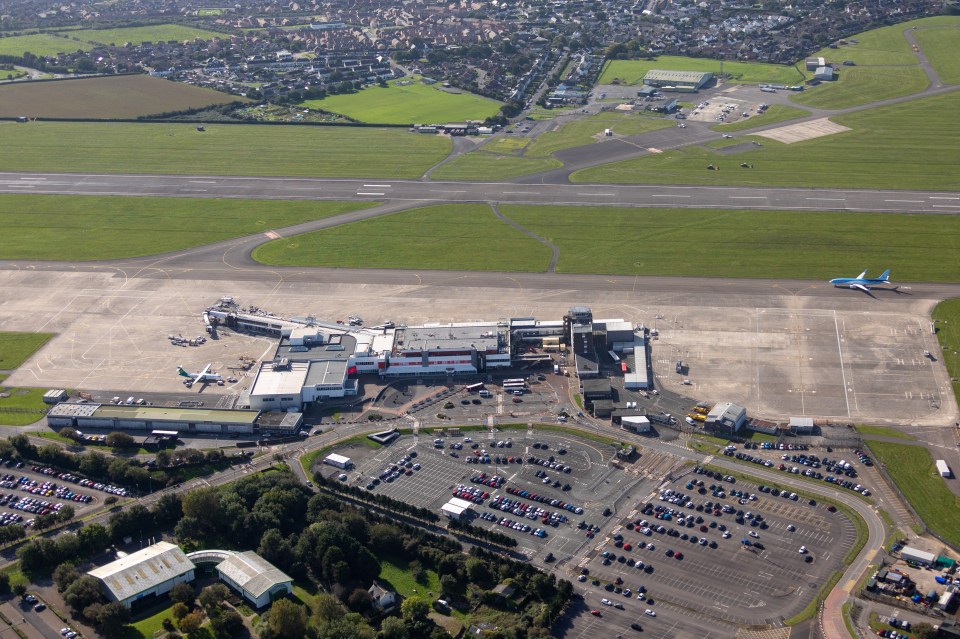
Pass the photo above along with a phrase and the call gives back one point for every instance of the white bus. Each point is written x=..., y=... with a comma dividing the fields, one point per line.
x=519, y=380
x=472, y=388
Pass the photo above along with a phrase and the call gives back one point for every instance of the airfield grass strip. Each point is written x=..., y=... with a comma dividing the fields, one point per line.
x=946, y=318
x=16, y=348
x=882, y=431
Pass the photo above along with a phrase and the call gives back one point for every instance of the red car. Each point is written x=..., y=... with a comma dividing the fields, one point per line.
x=596, y=613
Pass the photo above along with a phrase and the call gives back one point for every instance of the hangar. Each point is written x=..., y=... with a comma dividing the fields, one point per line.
x=150, y=572
x=682, y=81
x=184, y=420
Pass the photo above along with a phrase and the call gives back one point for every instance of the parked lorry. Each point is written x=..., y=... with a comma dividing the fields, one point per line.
x=945, y=471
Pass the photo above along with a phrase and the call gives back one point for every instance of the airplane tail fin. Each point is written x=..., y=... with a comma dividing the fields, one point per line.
x=182, y=372
x=885, y=275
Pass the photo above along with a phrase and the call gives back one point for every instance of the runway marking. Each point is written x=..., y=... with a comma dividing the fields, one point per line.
x=20, y=186
x=273, y=235
x=519, y=193
x=908, y=201
x=33, y=178
x=667, y=195
x=945, y=206
x=377, y=186
x=597, y=194
x=203, y=181
x=749, y=197
x=828, y=199
x=937, y=197
x=368, y=193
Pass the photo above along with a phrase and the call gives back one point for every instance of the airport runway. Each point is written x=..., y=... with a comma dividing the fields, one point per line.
x=424, y=192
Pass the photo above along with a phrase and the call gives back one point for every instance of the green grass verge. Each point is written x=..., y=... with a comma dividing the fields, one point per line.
x=631, y=72
x=862, y=85
x=77, y=228
x=742, y=243
x=882, y=431
x=483, y=165
x=408, y=101
x=16, y=348
x=418, y=238
x=883, y=46
x=940, y=46
x=707, y=448
x=913, y=145
x=845, y=611
x=946, y=317
x=139, y=35
x=589, y=130
x=40, y=44
x=24, y=406
x=307, y=460
x=776, y=113
x=221, y=150
x=912, y=470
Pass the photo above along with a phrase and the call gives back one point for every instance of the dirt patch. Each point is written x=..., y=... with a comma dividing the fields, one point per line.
x=804, y=131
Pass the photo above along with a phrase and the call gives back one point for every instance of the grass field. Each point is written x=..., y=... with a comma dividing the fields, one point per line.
x=631, y=72
x=40, y=44
x=220, y=150
x=423, y=238
x=483, y=165
x=23, y=406
x=105, y=97
x=941, y=45
x=638, y=241
x=861, y=85
x=589, y=130
x=139, y=35
x=883, y=46
x=912, y=469
x=16, y=348
x=776, y=113
x=399, y=577
x=882, y=431
x=77, y=228
x=946, y=315
x=913, y=145
x=408, y=102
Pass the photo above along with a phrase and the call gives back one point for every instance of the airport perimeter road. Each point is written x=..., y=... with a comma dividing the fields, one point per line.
x=796, y=199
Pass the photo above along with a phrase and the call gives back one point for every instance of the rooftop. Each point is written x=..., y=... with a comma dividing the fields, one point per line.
x=286, y=381
x=143, y=569
x=146, y=413
x=483, y=336
x=252, y=572
x=325, y=373
x=676, y=76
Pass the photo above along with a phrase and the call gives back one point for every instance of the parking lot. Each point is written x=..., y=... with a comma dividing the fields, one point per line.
x=750, y=559
x=27, y=492
x=591, y=483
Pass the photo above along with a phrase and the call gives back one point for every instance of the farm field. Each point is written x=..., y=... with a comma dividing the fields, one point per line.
x=941, y=45
x=742, y=244
x=912, y=469
x=862, y=85
x=776, y=113
x=79, y=228
x=611, y=241
x=406, y=102
x=138, y=35
x=631, y=72
x=221, y=150
x=105, y=97
x=485, y=165
x=423, y=238
x=912, y=145
x=16, y=348
x=40, y=44
x=947, y=318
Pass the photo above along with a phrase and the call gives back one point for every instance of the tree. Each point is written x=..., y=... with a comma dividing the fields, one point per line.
x=393, y=628
x=191, y=622
x=212, y=596
x=4, y=583
x=923, y=630
x=415, y=609
x=69, y=433
x=182, y=593
x=449, y=586
x=19, y=589
x=163, y=459
x=119, y=439
x=477, y=571
x=93, y=538
x=359, y=600
x=287, y=620
x=227, y=624
x=110, y=617
x=64, y=575
x=82, y=592
x=179, y=610
x=66, y=513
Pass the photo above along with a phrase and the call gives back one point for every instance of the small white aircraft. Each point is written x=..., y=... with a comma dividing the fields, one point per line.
x=203, y=377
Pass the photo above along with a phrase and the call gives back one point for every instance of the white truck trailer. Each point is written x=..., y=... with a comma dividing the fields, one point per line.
x=945, y=471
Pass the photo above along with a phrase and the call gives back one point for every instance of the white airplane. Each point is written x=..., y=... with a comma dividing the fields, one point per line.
x=203, y=377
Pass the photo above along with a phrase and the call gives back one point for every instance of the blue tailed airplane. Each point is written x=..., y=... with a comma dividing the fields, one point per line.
x=862, y=282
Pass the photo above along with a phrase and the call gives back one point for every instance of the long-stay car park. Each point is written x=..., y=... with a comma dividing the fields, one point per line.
x=29, y=491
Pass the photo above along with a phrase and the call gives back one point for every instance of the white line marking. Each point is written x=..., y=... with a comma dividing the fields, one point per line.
x=945, y=206
x=843, y=373
x=593, y=194
x=667, y=195
x=749, y=197
x=909, y=201
x=935, y=197
x=367, y=193
x=20, y=186
x=519, y=193
x=378, y=186
x=203, y=181
x=828, y=199
x=32, y=179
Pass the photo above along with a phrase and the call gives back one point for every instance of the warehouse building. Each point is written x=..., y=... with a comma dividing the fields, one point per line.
x=726, y=419
x=635, y=423
x=139, y=578
x=182, y=420
x=681, y=81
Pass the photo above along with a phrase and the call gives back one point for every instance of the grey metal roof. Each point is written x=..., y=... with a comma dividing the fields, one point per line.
x=144, y=569
x=252, y=572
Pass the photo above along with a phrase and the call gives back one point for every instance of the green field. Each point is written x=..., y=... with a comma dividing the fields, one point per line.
x=631, y=72
x=399, y=577
x=635, y=241
x=139, y=35
x=862, y=85
x=220, y=150
x=77, y=228
x=505, y=157
x=106, y=97
x=913, y=145
x=942, y=47
x=882, y=431
x=425, y=238
x=408, y=101
x=776, y=113
x=912, y=470
x=946, y=316
x=16, y=348
x=23, y=406
x=40, y=44
x=883, y=46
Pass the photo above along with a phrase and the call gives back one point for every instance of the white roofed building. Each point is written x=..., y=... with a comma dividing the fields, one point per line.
x=144, y=574
x=259, y=581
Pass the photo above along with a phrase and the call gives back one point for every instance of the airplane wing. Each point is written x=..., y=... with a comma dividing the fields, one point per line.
x=861, y=287
x=199, y=377
x=862, y=275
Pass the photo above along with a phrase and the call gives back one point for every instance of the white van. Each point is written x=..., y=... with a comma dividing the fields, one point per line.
x=129, y=401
